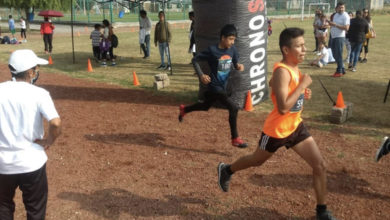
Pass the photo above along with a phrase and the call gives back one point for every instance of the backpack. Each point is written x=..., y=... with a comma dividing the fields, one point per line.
x=114, y=41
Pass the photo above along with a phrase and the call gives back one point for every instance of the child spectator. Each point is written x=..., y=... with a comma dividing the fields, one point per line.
x=106, y=44
x=145, y=24
x=322, y=56
x=11, y=25
x=162, y=36
x=96, y=36
x=23, y=30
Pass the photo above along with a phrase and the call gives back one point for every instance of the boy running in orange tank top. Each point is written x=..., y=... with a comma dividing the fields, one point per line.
x=284, y=126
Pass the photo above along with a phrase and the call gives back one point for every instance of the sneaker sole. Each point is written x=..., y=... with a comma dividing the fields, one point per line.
x=380, y=149
x=242, y=146
x=219, y=168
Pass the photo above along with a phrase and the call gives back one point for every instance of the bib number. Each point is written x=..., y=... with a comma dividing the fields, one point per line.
x=298, y=105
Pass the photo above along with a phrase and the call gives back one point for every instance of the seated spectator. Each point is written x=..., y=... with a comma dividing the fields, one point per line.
x=5, y=40
x=322, y=56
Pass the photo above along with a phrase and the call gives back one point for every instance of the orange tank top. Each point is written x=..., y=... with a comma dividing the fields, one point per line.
x=280, y=126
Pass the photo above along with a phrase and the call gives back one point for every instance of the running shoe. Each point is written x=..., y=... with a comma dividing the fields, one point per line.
x=383, y=149
x=326, y=215
x=336, y=74
x=161, y=67
x=238, y=142
x=223, y=177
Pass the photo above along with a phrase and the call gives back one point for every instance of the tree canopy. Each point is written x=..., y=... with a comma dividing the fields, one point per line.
x=41, y=4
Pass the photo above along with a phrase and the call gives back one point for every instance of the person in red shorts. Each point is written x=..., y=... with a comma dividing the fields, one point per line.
x=284, y=126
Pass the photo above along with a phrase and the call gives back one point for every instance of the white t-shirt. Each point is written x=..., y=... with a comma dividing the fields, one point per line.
x=23, y=24
x=325, y=57
x=146, y=24
x=22, y=109
x=340, y=19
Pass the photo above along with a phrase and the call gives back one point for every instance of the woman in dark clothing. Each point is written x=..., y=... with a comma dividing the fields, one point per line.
x=356, y=36
x=367, y=17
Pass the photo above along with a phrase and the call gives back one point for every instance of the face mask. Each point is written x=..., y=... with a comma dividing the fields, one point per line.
x=34, y=80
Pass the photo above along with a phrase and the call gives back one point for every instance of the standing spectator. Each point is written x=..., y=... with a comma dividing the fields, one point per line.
x=145, y=24
x=23, y=106
x=321, y=26
x=96, y=36
x=107, y=38
x=162, y=36
x=330, y=33
x=47, y=31
x=23, y=29
x=339, y=26
x=11, y=25
x=367, y=17
x=356, y=35
x=317, y=18
x=347, y=43
x=192, y=48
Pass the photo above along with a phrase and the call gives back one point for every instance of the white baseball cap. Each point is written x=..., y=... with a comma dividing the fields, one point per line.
x=22, y=60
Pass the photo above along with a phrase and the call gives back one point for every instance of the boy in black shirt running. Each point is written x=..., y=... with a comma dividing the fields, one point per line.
x=221, y=58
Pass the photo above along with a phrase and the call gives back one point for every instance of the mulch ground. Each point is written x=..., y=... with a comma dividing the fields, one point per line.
x=124, y=155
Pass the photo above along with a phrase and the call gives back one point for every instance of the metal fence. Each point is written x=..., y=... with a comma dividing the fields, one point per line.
x=92, y=11
x=307, y=7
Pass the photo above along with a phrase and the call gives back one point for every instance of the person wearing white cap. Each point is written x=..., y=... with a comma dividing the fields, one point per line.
x=23, y=106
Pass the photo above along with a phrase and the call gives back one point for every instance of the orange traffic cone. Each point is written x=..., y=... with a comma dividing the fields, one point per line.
x=248, y=103
x=50, y=60
x=340, y=100
x=135, y=79
x=89, y=66
x=78, y=34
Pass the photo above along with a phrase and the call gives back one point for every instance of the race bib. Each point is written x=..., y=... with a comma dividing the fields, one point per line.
x=298, y=105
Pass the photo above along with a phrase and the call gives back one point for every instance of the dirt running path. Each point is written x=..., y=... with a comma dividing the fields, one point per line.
x=123, y=155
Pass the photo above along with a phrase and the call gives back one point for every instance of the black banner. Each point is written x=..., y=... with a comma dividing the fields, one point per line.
x=250, y=19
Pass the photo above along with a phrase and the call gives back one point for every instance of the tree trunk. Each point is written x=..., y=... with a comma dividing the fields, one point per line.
x=27, y=10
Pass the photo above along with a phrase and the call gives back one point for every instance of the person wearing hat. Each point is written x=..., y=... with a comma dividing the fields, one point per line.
x=23, y=106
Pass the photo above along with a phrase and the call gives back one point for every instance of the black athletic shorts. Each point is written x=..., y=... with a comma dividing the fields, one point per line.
x=271, y=144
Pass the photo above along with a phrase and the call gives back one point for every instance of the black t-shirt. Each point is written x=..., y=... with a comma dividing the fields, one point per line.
x=221, y=62
x=357, y=30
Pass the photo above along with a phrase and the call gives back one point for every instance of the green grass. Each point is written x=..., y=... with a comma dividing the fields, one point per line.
x=364, y=88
